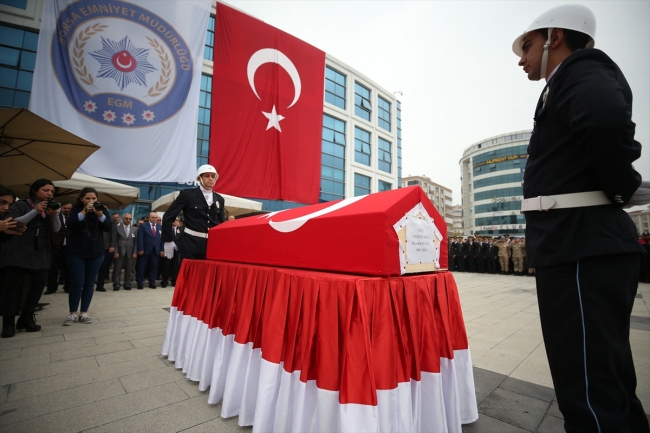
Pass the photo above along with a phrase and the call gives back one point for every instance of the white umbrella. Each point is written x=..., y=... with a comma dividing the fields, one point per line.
x=234, y=205
x=112, y=194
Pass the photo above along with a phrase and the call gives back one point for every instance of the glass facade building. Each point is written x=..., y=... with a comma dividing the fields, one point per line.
x=346, y=171
x=491, y=174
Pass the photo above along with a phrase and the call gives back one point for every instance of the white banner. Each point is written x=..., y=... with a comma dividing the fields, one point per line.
x=126, y=76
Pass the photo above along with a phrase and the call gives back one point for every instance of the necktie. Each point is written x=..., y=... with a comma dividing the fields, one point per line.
x=153, y=230
x=126, y=230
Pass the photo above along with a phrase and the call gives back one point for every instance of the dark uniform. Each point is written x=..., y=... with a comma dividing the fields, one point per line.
x=198, y=217
x=586, y=258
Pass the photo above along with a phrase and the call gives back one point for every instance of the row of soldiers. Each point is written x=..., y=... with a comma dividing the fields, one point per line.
x=491, y=255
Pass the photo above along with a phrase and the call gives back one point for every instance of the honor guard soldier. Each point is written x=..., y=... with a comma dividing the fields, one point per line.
x=202, y=209
x=580, y=241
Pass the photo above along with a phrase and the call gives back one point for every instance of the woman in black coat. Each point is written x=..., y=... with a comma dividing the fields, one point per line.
x=27, y=251
x=85, y=254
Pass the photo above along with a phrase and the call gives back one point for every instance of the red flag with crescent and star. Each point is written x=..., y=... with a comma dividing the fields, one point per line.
x=267, y=110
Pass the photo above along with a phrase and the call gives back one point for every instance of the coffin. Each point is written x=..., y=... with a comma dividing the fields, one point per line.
x=390, y=233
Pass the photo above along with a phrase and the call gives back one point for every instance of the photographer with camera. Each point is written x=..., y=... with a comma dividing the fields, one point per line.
x=86, y=226
x=27, y=251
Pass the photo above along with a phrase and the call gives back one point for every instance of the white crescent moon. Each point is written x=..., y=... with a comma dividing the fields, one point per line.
x=296, y=223
x=124, y=66
x=270, y=55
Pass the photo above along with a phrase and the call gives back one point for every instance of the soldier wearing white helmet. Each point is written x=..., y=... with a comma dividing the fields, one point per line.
x=582, y=244
x=202, y=209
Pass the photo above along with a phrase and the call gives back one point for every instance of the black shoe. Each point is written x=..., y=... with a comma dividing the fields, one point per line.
x=66, y=289
x=8, y=328
x=152, y=286
x=115, y=289
x=49, y=292
x=100, y=289
x=163, y=285
x=127, y=287
x=27, y=323
x=140, y=287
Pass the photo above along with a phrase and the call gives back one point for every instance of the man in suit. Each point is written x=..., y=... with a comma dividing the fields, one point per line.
x=580, y=241
x=102, y=275
x=149, y=250
x=202, y=209
x=59, y=244
x=124, y=251
x=170, y=266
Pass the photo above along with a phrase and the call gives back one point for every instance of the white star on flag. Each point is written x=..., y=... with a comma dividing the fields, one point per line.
x=90, y=106
x=128, y=118
x=109, y=116
x=274, y=119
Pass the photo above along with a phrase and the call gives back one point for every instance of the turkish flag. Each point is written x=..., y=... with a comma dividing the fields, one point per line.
x=267, y=111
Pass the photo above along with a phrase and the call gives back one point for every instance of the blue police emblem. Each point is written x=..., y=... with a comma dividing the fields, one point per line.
x=120, y=64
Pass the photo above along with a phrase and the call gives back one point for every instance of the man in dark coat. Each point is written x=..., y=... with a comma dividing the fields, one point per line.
x=581, y=243
x=202, y=209
x=149, y=249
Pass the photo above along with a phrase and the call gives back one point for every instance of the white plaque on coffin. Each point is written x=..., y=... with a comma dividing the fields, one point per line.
x=419, y=246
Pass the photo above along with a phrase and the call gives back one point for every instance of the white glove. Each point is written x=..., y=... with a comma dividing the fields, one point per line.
x=169, y=250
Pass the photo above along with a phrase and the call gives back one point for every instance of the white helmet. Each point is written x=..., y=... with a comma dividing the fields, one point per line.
x=206, y=168
x=570, y=17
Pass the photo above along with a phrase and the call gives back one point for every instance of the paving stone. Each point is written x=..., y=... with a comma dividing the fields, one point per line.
x=554, y=410
x=487, y=424
x=112, y=409
x=155, y=341
x=221, y=425
x=516, y=409
x=67, y=346
x=18, y=342
x=76, y=375
x=24, y=361
x=172, y=418
x=485, y=382
x=91, y=333
x=92, y=350
x=148, y=379
x=551, y=424
x=127, y=355
x=190, y=387
x=530, y=389
x=45, y=370
x=59, y=400
x=9, y=354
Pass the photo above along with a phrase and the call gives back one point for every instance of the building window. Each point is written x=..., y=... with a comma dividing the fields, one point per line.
x=17, y=60
x=334, y=87
x=361, y=185
x=384, y=154
x=384, y=186
x=332, y=183
x=203, y=130
x=208, y=51
x=399, y=144
x=515, y=191
x=383, y=111
x=362, y=106
x=18, y=4
x=361, y=146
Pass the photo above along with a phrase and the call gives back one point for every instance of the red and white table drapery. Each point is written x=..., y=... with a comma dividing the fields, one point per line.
x=304, y=351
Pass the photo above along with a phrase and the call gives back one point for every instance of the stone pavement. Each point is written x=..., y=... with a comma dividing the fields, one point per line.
x=108, y=376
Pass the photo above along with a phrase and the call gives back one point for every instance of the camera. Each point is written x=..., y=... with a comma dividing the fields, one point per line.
x=51, y=204
x=98, y=207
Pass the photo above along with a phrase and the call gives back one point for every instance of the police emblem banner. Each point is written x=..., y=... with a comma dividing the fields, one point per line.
x=125, y=75
x=267, y=110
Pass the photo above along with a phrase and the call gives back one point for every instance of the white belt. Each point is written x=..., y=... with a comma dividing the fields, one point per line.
x=197, y=234
x=564, y=201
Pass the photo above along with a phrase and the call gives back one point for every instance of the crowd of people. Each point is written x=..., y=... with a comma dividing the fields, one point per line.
x=74, y=245
x=49, y=244
x=489, y=255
